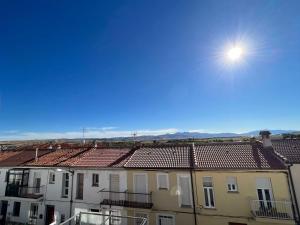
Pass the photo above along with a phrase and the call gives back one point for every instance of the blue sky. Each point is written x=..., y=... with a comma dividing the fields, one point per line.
x=147, y=66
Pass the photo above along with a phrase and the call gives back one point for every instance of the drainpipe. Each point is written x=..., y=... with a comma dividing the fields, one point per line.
x=292, y=189
x=71, y=199
x=192, y=181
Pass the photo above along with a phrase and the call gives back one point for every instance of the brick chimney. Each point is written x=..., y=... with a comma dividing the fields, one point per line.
x=266, y=139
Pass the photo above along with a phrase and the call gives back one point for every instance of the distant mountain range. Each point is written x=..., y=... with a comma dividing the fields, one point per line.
x=198, y=135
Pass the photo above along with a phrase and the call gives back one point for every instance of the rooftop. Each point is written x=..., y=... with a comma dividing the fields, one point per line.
x=160, y=157
x=289, y=148
x=243, y=155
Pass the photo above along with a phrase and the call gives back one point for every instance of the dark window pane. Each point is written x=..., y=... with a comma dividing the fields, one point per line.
x=206, y=197
x=211, y=195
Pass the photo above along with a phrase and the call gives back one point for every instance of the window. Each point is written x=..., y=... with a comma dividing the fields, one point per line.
x=95, y=210
x=162, y=181
x=184, y=186
x=140, y=220
x=79, y=188
x=65, y=185
x=37, y=185
x=62, y=218
x=16, y=210
x=264, y=192
x=165, y=220
x=208, y=192
x=34, y=210
x=51, y=178
x=95, y=180
x=232, y=184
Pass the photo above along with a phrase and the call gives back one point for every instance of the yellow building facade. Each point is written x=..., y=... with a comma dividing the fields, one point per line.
x=195, y=188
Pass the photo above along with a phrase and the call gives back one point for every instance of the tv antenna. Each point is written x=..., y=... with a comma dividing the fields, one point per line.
x=134, y=135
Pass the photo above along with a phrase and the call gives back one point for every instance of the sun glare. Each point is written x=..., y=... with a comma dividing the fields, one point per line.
x=235, y=53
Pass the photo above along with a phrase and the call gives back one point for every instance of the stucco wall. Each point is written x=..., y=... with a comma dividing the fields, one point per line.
x=162, y=199
x=295, y=172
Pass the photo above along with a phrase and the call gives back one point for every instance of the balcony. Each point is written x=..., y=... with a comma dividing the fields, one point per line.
x=126, y=199
x=280, y=210
x=14, y=190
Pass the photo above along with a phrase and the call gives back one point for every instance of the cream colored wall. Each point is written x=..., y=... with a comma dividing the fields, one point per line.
x=180, y=218
x=165, y=201
x=295, y=172
x=218, y=220
x=162, y=199
x=230, y=207
x=238, y=204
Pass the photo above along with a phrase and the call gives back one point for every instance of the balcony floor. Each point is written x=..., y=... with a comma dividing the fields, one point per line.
x=129, y=204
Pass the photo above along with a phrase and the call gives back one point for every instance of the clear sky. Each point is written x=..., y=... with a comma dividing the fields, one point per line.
x=147, y=66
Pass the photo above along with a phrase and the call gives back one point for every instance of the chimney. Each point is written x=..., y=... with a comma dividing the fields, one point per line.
x=266, y=139
x=36, y=154
x=95, y=144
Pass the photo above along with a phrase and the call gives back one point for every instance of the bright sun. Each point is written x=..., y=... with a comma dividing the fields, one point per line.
x=235, y=53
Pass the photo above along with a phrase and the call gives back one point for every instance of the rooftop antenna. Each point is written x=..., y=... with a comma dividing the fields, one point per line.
x=83, y=134
x=134, y=134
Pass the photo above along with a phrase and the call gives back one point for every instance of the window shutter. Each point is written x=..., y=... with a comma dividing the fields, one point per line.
x=162, y=181
x=185, y=191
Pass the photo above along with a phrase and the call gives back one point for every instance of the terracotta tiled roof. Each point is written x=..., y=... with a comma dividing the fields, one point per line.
x=22, y=157
x=55, y=157
x=96, y=157
x=160, y=157
x=290, y=149
x=7, y=154
x=235, y=156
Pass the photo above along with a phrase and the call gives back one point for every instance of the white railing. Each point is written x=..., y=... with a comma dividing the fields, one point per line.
x=281, y=210
x=94, y=218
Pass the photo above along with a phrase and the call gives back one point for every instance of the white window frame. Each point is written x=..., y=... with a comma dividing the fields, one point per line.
x=230, y=184
x=95, y=184
x=64, y=187
x=190, y=187
x=134, y=187
x=134, y=180
x=167, y=215
x=213, y=193
x=31, y=215
x=51, y=176
x=147, y=216
x=167, y=179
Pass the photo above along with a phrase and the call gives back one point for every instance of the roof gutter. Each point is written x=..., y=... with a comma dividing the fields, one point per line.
x=293, y=194
x=192, y=181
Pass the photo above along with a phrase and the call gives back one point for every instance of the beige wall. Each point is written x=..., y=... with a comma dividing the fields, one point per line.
x=238, y=204
x=162, y=199
x=230, y=207
x=295, y=172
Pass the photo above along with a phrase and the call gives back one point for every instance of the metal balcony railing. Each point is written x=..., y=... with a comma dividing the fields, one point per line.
x=13, y=190
x=281, y=210
x=126, y=199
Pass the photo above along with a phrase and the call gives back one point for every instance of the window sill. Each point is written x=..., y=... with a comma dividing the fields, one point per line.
x=163, y=189
x=210, y=208
x=95, y=185
x=186, y=206
x=232, y=191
